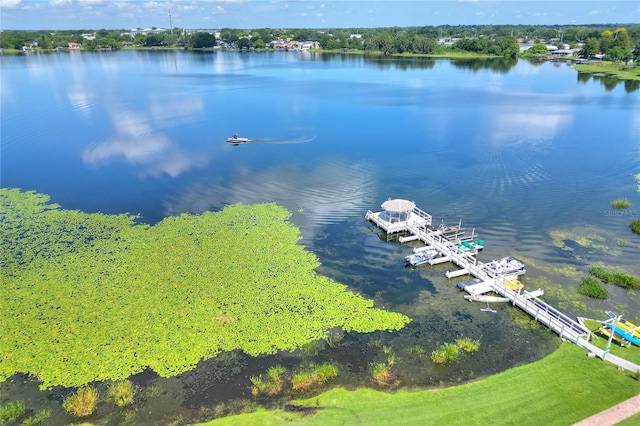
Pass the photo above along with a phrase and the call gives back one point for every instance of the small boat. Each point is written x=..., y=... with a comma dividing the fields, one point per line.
x=514, y=285
x=623, y=328
x=472, y=245
x=236, y=139
x=485, y=298
x=505, y=267
x=422, y=257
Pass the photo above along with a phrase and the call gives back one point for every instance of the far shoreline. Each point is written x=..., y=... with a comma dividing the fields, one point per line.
x=617, y=70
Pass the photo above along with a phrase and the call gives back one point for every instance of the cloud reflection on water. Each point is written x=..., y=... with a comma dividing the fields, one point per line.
x=138, y=140
x=326, y=194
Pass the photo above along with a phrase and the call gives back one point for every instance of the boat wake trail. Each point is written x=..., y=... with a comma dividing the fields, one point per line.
x=283, y=141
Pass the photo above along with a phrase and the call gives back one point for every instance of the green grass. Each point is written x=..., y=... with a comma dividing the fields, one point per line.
x=635, y=226
x=630, y=353
x=445, y=354
x=620, y=203
x=561, y=389
x=613, y=69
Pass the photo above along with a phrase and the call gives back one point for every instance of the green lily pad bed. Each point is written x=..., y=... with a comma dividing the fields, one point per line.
x=92, y=297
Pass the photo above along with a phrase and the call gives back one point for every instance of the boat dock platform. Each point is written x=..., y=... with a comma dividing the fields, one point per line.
x=402, y=216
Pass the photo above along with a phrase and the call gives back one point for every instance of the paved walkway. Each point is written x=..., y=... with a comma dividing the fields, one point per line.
x=614, y=414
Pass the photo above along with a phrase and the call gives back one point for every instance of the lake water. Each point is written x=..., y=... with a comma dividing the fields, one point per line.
x=530, y=155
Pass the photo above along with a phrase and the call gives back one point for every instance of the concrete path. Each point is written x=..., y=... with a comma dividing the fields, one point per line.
x=614, y=414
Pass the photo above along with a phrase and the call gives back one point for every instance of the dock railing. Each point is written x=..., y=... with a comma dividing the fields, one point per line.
x=541, y=311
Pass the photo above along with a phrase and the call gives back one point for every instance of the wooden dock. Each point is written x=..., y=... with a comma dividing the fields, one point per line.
x=415, y=224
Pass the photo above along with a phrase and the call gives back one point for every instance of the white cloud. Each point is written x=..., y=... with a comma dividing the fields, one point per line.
x=59, y=2
x=9, y=3
x=595, y=12
x=319, y=15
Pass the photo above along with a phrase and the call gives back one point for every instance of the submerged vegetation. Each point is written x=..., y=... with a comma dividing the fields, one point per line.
x=97, y=297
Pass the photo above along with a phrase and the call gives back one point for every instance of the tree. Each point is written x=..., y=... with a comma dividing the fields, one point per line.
x=243, y=42
x=591, y=48
x=537, y=49
x=153, y=40
x=202, y=39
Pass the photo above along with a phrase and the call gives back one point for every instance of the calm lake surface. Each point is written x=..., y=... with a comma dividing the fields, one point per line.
x=530, y=155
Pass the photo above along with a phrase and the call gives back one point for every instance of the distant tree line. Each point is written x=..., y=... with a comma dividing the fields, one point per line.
x=617, y=43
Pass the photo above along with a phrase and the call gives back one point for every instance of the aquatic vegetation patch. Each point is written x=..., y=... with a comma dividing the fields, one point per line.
x=82, y=403
x=12, y=411
x=614, y=277
x=635, y=226
x=313, y=376
x=445, y=354
x=620, y=203
x=592, y=287
x=467, y=344
x=37, y=419
x=121, y=393
x=93, y=297
x=581, y=238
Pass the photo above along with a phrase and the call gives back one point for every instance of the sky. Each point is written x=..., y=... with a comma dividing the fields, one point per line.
x=249, y=14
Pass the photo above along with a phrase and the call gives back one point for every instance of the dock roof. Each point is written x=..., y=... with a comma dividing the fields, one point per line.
x=398, y=205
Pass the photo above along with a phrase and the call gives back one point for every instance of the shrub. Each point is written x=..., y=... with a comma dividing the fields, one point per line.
x=467, y=344
x=620, y=203
x=592, y=287
x=83, y=403
x=121, y=392
x=12, y=411
x=445, y=353
x=635, y=226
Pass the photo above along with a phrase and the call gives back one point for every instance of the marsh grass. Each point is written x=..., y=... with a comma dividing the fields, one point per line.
x=592, y=287
x=121, y=393
x=82, y=403
x=312, y=348
x=272, y=385
x=334, y=338
x=620, y=203
x=635, y=227
x=37, y=419
x=445, y=354
x=617, y=278
x=12, y=411
x=467, y=344
x=381, y=373
x=313, y=377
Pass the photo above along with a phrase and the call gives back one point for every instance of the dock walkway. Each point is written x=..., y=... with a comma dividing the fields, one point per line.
x=489, y=276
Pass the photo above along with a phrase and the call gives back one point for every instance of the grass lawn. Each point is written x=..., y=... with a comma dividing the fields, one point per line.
x=630, y=353
x=561, y=389
x=609, y=69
